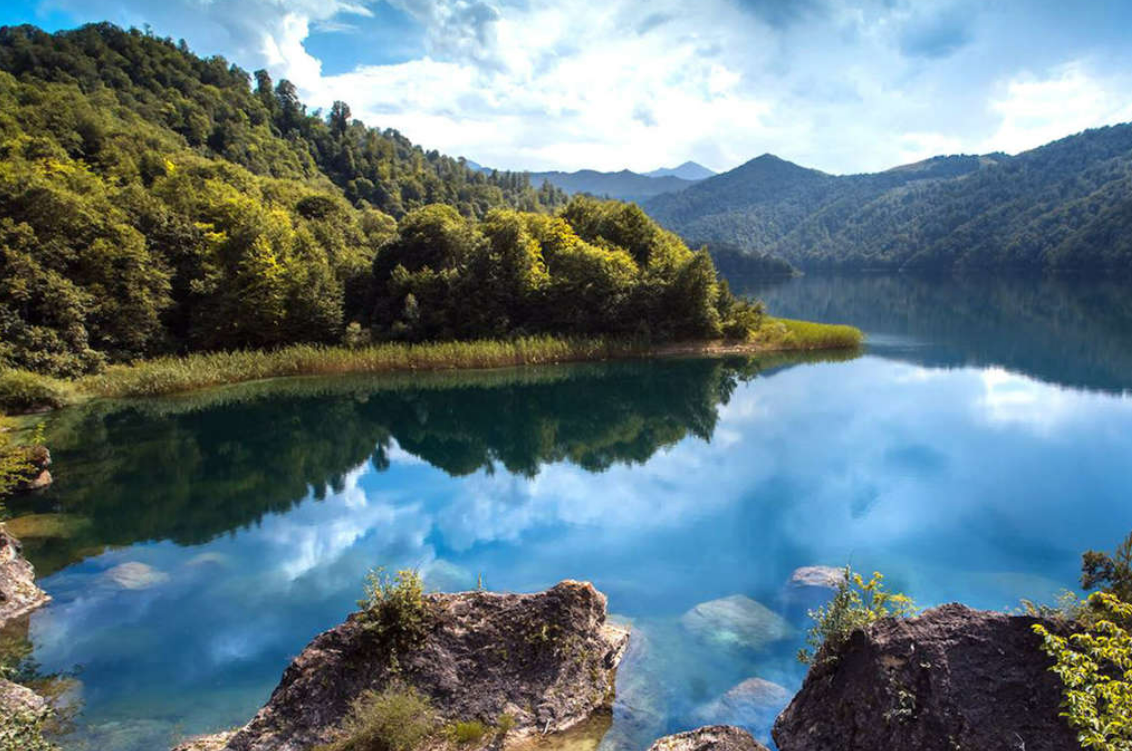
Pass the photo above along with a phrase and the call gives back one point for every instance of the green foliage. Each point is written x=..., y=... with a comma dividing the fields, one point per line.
x=789, y=334
x=151, y=202
x=14, y=461
x=399, y=718
x=395, y=610
x=464, y=733
x=600, y=267
x=23, y=391
x=1095, y=667
x=22, y=730
x=1113, y=571
x=855, y=605
x=505, y=724
x=1063, y=206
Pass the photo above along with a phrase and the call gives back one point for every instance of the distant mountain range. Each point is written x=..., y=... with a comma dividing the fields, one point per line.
x=686, y=171
x=1066, y=206
x=624, y=185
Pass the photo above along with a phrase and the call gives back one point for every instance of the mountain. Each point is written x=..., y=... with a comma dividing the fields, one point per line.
x=686, y=171
x=623, y=185
x=1065, y=206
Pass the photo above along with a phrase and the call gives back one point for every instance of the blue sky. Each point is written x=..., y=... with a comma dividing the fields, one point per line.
x=851, y=86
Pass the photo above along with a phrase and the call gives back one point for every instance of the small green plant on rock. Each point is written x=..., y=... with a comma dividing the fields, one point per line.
x=398, y=718
x=22, y=730
x=1095, y=666
x=856, y=604
x=395, y=610
x=464, y=733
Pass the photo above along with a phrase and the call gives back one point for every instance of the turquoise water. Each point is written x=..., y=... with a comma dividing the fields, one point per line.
x=194, y=545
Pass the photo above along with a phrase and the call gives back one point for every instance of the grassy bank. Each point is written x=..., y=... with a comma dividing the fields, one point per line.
x=20, y=391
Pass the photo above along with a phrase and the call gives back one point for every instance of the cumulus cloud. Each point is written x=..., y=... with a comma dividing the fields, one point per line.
x=841, y=86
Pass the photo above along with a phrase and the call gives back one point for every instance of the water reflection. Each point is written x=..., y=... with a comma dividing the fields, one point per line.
x=194, y=545
x=1073, y=332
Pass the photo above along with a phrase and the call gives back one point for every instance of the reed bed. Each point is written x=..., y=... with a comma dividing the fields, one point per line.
x=169, y=375
x=179, y=374
x=809, y=335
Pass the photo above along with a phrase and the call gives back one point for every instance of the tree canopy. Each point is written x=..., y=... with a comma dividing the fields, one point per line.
x=153, y=202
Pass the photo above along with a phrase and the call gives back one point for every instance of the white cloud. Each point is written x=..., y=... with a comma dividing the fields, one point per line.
x=1036, y=110
x=625, y=83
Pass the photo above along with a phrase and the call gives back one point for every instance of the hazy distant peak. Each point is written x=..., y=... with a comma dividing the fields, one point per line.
x=686, y=171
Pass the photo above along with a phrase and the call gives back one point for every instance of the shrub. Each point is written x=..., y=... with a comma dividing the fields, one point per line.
x=23, y=391
x=22, y=730
x=467, y=732
x=504, y=724
x=855, y=605
x=1095, y=667
x=398, y=718
x=395, y=610
x=1112, y=571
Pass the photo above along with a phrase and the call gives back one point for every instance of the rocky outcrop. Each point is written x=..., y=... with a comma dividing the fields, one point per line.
x=951, y=679
x=18, y=592
x=547, y=660
x=712, y=738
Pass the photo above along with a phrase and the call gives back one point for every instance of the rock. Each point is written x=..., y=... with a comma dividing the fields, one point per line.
x=817, y=576
x=135, y=575
x=752, y=705
x=547, y=659
x=18, y=592
x=711, y=738
x=16, y=698
x=37, y=478
x=48, y=526
x=952, y=678
x=215, y=742
x=640, y=708
x=735, y=621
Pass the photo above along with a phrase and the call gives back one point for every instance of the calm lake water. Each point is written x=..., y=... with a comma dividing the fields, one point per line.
x=194, y=545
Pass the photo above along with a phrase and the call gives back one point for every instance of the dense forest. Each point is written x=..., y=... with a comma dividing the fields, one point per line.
x=152, y=201
x=1065, y=206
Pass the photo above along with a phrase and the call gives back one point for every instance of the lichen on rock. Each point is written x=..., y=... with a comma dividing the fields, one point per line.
x=711, y=738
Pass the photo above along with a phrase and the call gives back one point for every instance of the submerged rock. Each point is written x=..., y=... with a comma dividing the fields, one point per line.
x=735, y=621
x=826, y=577
x=18, y=591
x=712, y=738
x=752, y=705
x=37, y=477
x=952, y=678
x=547, y=659
x=135, y=575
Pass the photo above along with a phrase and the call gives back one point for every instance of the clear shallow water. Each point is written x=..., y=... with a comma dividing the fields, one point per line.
x=977, y=447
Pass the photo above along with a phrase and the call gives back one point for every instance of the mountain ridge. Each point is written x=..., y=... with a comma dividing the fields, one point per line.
x=1065, y=205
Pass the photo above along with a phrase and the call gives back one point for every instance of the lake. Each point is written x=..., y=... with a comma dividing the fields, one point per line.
x=194, y=545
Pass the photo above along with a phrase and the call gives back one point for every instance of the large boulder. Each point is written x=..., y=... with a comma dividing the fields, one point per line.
x=546, y=659
x=735, y=622
x=712, y=738
x=952, y=678
x=18, y=592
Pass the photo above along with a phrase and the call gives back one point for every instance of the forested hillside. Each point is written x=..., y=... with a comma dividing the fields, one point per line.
x=152, y=201
x=1064, y=206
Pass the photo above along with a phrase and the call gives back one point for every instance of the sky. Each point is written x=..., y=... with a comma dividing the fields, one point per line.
x=854, y=86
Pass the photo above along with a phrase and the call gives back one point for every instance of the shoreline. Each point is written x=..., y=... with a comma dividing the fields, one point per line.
x=167, y=376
